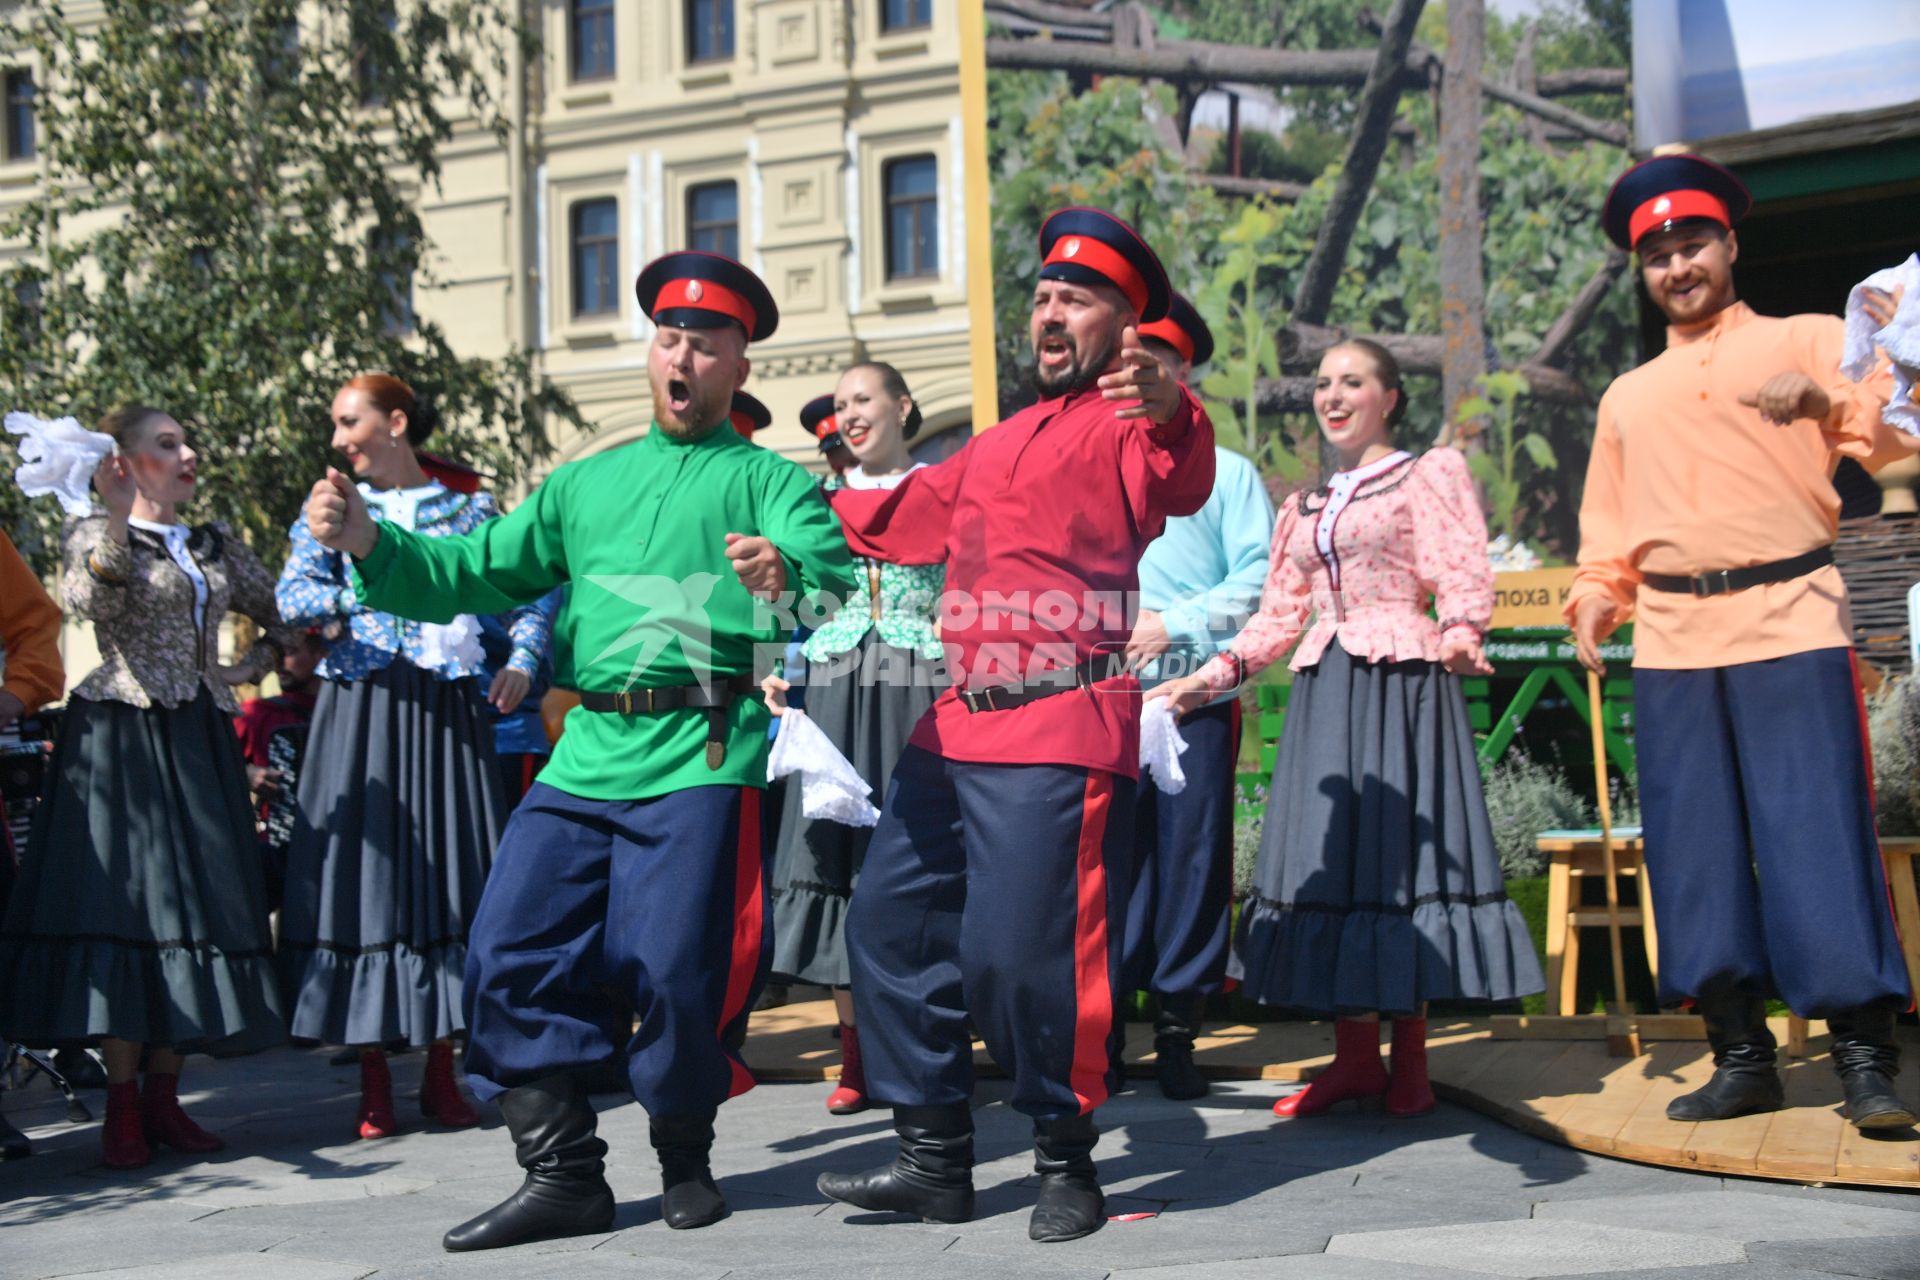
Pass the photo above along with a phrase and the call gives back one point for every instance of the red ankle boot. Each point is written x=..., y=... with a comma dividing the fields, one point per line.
x=1355, y=1071
x=166, y=1122
x=123, y=1142
x=440, y=1097
x=376, y=1096
x=851, y=1096
x=1409, y=1093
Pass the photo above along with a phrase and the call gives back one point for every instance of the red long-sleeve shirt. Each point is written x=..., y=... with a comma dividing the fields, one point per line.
x=1041, y=522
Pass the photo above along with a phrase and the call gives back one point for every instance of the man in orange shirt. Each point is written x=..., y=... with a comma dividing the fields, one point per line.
x=1710, y=515
x=30, y=639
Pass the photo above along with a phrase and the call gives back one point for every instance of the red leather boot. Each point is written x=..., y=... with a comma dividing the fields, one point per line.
x=851, y=1096
x=440, y=1097
x=1409, y=1093
x=376, y=1096
x=123, y=1141
x=166, y=1122
x=1355, y=1072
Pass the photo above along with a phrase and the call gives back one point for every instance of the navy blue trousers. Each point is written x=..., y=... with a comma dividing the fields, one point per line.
x=662, y=899
x=1756, y=790
x=988, y=891
x=1182, y=877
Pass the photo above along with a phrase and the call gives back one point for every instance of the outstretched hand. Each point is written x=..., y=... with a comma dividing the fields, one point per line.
x=338, y=516
x=1139, y=378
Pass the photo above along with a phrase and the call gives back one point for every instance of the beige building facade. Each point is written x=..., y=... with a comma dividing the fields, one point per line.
x=819, y=141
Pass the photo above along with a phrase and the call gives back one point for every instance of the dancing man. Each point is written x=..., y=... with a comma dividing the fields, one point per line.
x=636, y=860
x=1709, y=517
x=994, y=885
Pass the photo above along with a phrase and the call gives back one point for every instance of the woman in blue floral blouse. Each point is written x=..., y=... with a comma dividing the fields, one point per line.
x=871, y=672
x=400, y=803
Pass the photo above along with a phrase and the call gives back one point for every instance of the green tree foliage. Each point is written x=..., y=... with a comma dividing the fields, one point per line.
x=227, y=211
x=1541, y=240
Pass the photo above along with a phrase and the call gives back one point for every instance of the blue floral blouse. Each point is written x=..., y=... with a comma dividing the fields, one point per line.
x=314, y=590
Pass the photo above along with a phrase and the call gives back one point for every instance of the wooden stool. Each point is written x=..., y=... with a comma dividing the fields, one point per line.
x=1572, y=856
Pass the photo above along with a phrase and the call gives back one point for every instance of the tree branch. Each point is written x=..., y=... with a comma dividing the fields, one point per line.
x=1379, y=100
x=1227, y=184
x=1580, y=310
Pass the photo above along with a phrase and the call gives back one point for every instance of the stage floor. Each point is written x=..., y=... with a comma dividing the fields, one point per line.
x=1569, y=1091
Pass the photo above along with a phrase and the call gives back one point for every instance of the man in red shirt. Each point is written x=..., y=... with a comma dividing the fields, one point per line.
x=273, y=737
x=993, y=886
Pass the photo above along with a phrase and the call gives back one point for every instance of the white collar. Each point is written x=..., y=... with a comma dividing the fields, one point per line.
x=171, y=533
x=1345, y=482
x=855, y=478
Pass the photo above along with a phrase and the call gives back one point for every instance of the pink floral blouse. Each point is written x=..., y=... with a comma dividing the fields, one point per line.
x=1399, y=533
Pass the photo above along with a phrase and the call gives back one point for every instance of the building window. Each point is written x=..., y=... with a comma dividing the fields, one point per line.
x=596, y=258
x=709, y=30
x=391, y=255
x=913, y=222
x=713, y=218
x=280, y=62
x=20, y=128
x=590, y=39
x=375, y=56
x=906, y=15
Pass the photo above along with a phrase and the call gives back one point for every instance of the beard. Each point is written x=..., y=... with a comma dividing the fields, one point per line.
x=687, y=411
x=1076, y=374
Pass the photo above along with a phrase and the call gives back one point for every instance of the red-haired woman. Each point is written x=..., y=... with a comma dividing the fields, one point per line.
x=399, y=800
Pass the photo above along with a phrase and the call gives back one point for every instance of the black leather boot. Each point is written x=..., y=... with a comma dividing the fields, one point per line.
x=566, y=1191
x=1744, y=1079
x=689, y=1198
x=1071, y=1203
x=1174, y=1032
x=13, y=1143
x=1868, y=1061
x=931, y=1178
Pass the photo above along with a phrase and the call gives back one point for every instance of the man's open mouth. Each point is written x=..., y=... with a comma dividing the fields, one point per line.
x=1055, y=351
x=679, y=395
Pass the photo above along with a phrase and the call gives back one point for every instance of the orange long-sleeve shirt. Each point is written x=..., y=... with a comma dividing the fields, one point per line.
x=1684, y=480
x=30, y=631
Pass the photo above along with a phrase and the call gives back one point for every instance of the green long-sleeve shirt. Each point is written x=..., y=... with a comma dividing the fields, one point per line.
x=640, y=532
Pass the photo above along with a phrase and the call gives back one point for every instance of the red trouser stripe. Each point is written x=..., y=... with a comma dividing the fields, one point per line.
x=748, y=923
x=1093, y=990
x=1873, y=803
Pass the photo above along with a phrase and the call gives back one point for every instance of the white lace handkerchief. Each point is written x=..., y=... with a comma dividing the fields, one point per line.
x=1161, y=745
x=446, y=643
x=830, y=787
x=58, y=457
x=1901, y=340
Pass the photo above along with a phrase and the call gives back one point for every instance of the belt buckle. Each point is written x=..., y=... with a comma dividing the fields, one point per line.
x=979, y=699
x=1717, y=583
x=623, y=702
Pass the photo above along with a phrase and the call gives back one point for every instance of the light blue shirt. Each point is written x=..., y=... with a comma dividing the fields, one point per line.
x=1203, y=576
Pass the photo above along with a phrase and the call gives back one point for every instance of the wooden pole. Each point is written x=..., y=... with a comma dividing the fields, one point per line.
x=1462, y=279
x=1596, y=717
x=979, y=212
x=1379, y=101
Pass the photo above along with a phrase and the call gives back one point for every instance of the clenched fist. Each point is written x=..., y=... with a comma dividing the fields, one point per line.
x=338, y=517
x=757, y=563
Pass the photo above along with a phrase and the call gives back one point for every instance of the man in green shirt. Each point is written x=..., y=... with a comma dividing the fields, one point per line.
x=637, y=859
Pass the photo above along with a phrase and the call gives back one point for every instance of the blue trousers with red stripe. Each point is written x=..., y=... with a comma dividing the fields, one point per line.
x=988, y=891
x=1182, y=876
x=664, y=900
x=1756, y=790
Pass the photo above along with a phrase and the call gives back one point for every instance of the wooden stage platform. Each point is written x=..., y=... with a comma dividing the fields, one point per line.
x=1565, y=1090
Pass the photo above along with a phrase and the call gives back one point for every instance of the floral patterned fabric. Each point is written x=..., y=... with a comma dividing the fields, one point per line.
x=141, y=604
x=315, y=590
x=1410, y=537
x=904, y=617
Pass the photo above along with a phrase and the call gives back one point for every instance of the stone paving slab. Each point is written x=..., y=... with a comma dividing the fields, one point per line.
x=237, y=1266
x=1538, y=1248
x=1738, y=1215
x=1878, y=1258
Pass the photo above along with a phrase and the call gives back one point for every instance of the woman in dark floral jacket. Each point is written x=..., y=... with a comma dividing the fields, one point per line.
x=139, y=919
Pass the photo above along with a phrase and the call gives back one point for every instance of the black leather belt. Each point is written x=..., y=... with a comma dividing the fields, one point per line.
x=1722, y=581
x=713, y=699
x=1005, y=697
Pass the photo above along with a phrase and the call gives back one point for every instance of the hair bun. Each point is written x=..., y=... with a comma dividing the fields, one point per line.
x=911, y=426
x=423, y=420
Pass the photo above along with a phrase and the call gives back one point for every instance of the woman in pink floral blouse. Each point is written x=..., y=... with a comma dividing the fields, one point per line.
x=1378, y=886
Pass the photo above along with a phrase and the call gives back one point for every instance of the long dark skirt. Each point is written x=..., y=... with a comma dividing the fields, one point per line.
x=866, y=701
x=399, y=812
x=1378, y=884
x=140, y=911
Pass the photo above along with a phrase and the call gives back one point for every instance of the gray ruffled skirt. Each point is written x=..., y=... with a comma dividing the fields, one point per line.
x=1378, y=884
x=866, y=701
x=140, y=910
x=400, y=809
